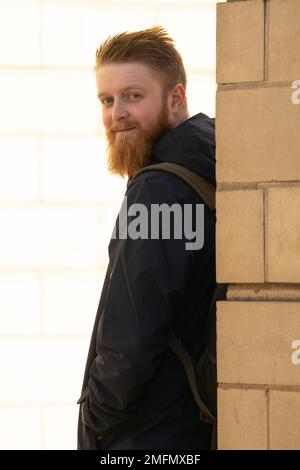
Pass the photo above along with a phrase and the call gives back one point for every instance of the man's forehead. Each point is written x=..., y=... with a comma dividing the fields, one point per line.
x=124, y=76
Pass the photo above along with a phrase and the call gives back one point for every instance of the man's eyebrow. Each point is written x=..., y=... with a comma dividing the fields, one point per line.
x=123, y=89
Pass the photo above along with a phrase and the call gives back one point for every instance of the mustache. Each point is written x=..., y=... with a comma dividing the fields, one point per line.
x=121, y=128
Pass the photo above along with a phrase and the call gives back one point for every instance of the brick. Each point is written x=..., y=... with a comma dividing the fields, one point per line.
x=256, y=128
x=263, y=292
x=283, y=228
x=239, y=252
x=284, y=420
x=255, y=342
x=284, y=33
x=240, y=42
x=242, y=419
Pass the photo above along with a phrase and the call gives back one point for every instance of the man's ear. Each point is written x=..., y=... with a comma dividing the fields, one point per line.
x=178, y=96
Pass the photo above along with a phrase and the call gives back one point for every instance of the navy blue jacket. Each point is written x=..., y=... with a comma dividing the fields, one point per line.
x=135, y=393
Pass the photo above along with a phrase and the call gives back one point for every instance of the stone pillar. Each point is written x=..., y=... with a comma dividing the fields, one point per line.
x=258, y=223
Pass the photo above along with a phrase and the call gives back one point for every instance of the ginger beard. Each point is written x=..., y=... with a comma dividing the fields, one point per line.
x=130, y=151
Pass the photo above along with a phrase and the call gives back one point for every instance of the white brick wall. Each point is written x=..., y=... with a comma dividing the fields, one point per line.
x=19, y=32
x=19, y=303
x=48, y=101
x=70, y=301
x=20, y=427
x=20, y=153
x=57, y=201
x=40, y=369
x=58, y=235
x=71, y=170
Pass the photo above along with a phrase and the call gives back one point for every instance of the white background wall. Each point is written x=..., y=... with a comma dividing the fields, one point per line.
x=58, y=202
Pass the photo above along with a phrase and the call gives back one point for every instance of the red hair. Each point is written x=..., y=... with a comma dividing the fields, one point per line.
x=152, y=47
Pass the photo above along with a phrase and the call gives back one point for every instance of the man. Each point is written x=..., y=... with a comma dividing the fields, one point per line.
x=135, y=393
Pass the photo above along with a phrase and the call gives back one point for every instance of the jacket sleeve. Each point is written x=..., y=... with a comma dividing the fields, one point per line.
x=132, y=334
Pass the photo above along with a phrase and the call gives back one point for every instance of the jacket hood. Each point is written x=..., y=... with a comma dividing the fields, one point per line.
x=191, y=144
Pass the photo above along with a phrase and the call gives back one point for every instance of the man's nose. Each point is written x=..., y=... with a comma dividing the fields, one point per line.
x=118, y=110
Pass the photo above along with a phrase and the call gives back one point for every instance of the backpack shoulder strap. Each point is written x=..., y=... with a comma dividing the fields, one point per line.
x=179, y=350
x=205, y=190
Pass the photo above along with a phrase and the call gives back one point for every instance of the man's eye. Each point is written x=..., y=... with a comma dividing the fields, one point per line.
x=106, y=100
x=133, y=96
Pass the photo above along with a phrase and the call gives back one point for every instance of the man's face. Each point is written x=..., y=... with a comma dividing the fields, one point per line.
x=135, y=114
